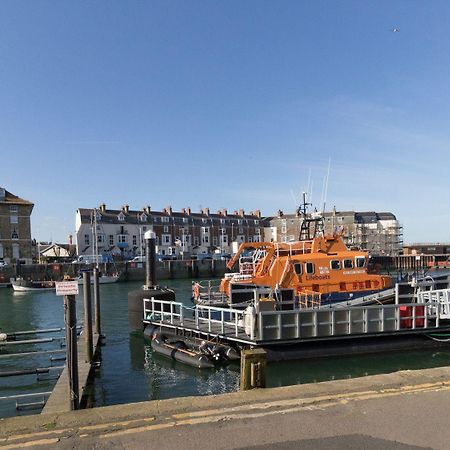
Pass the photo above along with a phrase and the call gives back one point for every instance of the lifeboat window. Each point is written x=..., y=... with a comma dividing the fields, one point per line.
x=298, y=268
x=360, y=261
x=348, y=264
x=335, y=264
x=309, y=268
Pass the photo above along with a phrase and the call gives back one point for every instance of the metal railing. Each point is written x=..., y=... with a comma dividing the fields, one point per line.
x=227, y=318
x=321, y=323
x=437, y=301
x=163, y=311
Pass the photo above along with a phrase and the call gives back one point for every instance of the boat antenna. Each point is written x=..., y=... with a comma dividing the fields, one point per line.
x=326, y=184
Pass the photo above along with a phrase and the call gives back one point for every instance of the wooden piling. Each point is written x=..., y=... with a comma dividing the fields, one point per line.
x=70, y=320
x=97, y=318
x=253, y=369
x=87, y=315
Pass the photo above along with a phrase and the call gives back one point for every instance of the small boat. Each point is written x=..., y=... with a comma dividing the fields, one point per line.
x=21, y=285
x=102, y=279
x=192, y=351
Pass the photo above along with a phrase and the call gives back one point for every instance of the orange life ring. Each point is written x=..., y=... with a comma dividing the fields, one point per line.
x=196, y=291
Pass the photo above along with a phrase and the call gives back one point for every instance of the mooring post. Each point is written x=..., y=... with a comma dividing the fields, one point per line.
x=253, y=369
x=87, y=315
x=150, y=259
x=98, y=328
x=70, y=320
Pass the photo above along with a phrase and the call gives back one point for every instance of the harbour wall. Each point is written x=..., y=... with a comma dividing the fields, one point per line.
x=131, y=271
x=195, y=269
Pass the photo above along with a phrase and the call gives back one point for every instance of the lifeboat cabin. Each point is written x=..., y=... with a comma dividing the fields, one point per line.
x=323, y=266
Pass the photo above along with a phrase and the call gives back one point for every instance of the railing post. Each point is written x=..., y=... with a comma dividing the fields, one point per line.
x=70, y=319
x=97, y=315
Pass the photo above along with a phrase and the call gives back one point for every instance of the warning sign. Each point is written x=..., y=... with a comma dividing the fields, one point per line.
x=67, y=288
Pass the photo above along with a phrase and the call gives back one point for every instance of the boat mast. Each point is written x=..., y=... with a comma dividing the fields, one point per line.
x=311, y=224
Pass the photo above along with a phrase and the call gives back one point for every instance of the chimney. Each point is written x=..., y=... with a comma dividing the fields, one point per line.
x=168, y=210
x=147, y=209
x=183, y=211
x=280, y=213
x=206, y=211
x=251, y=213
x=69, y=238
x=188, y=211
x=102, y=207
x=258, y=213
x=125, y=209
x=235, y=213
x=241, y=213
x=225, y=212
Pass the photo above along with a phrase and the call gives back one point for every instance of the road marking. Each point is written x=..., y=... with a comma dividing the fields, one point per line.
x=31, y=444
x=252, y=410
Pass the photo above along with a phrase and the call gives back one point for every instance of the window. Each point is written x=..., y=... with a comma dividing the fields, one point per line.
x=122, y=238
x=144, y=228
x=100, y=238
x=222, y=221
x=164, y=219
x=214, y=240
x=15, y=251
x=241, y=230
x=14, y=234
x=335, y=264
x=224, y=238
x=121, y=217
x=348, y=264
x=256, y=222
x=166, y=228
x=14, y=219
x=172, y=251
x=143, y=218
x=298, y=268
x=205, y=239
x=98, y=216
x=185, y=220
x=204, y=220
x=258, y=230
x=256, y=238
x=1, y=251
x=309, y=267
x=205, y=229
x=283, y=229
x=360, y=261
x=196, y=240
x=166, y=239
x=86, y=239
x=134, y=240
x=283, y=222
x=14, y=209
x=111, y=239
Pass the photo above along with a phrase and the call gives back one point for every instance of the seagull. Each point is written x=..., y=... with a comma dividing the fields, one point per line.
x=395, y=30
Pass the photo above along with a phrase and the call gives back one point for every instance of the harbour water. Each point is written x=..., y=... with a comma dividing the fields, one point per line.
x=129, y=370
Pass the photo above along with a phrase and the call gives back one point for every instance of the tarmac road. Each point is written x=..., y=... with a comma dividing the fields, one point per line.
x=405, y=410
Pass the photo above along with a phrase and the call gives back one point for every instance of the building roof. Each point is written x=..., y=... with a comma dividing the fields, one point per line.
x=12, y=199
x=111, y=216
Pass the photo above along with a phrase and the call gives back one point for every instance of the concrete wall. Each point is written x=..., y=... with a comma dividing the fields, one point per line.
x=131, y=271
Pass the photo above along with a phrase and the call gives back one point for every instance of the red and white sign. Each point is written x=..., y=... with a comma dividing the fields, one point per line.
x=67, y=287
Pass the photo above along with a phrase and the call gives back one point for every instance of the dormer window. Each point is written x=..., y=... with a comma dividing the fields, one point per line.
x=121, y=217
x=98, y=216
x=143, y=218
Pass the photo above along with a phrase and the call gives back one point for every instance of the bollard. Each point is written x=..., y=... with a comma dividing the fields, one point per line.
x=150, y=259
x=87, y=316
x=253, y=369
x=70, y=320
x=98, y=328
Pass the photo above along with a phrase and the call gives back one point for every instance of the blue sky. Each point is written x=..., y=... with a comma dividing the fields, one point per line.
x=226, y=104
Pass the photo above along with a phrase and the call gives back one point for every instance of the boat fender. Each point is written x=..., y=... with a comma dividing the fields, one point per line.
x=249, y=320
x=3, y=337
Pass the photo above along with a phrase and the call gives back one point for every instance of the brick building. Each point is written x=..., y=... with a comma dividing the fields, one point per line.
x=15, y=228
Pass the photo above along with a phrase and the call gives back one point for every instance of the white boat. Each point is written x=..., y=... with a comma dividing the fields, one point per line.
x=21, y=285
x=102, y=279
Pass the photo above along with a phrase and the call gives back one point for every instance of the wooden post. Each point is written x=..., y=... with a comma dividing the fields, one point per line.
x=98, y=328
x=253, y=369
x=87, y=315
x=70, y=320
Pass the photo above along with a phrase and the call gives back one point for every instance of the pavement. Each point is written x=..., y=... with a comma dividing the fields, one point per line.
x=403, y=410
